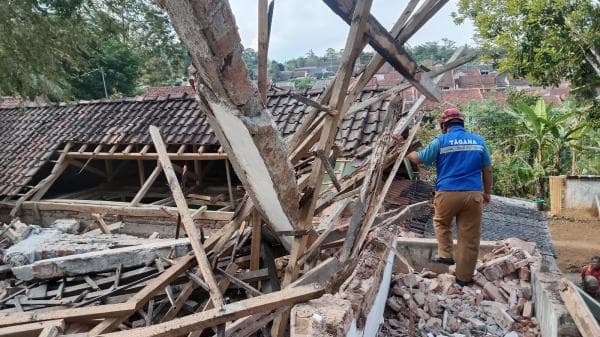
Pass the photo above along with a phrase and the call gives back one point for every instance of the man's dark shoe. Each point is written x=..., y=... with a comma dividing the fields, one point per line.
x=443, y=260
x=463, y=283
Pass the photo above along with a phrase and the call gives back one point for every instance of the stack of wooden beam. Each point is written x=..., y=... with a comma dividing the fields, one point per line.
x=271, y=255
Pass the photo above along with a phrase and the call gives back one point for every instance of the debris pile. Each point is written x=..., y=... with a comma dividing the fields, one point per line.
x=497, y=303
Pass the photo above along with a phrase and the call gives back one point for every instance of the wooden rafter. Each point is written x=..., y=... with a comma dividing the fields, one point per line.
x=186, y=219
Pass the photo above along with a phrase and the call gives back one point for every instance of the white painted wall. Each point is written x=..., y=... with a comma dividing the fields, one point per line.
x=580, y=193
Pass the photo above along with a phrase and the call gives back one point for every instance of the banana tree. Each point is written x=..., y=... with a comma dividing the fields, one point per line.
x=539, y=132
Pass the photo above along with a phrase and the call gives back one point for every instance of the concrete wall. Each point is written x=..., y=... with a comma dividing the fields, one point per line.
x=375, y=316
x=581, y=191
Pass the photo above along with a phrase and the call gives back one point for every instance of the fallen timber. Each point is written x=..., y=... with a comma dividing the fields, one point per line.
x=271, y=254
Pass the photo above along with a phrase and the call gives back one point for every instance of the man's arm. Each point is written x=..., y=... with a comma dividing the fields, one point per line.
x=488, y=181
x=426, y=156
x=414, y=158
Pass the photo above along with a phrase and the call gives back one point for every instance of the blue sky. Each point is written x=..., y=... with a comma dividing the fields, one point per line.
x=300, y=25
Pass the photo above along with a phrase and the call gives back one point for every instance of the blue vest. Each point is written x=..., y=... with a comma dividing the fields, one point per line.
x=459, y=161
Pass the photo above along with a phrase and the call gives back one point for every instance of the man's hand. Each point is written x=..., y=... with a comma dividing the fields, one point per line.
x=487, y=197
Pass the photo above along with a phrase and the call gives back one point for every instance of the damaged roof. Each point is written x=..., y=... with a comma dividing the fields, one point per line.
x=30, y=135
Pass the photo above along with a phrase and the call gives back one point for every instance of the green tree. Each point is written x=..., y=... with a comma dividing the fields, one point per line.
x=544, y=40
x=250, y=57
x=46, y=46
x=113, y=65
x=40, y=43
x=275, y=70
x=544, y=133
x=433, y=52
x=304, y=83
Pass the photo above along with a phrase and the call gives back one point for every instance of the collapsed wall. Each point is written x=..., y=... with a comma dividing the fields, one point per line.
x=515, y=294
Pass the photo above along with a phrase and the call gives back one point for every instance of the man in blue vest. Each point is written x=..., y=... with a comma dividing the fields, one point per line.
x=464, y=184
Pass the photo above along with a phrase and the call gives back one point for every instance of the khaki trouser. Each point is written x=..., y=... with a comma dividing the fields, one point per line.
x=467, y=207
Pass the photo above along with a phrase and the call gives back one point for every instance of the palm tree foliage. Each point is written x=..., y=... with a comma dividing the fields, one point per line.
x=545, y=135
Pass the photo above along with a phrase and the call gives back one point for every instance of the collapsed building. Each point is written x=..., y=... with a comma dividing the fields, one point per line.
x=238, y=212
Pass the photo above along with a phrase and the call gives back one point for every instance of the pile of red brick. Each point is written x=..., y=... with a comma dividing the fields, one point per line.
x=498, y=303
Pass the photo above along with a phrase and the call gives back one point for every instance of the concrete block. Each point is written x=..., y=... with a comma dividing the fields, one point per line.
x=498, y=312
x=69, y=226
x=99, y=261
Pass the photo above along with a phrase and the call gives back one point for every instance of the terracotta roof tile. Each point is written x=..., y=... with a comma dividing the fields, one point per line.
x=29, y=136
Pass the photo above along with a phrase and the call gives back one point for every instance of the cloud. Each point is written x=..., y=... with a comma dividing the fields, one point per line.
x=300, y=25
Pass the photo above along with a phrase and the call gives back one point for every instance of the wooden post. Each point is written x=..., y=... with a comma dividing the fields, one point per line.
x=557, y=193
x=140, y=164
x=263, y=49
x=188, y=222
x=256, y=222
x=146, y=186
x=229, y=186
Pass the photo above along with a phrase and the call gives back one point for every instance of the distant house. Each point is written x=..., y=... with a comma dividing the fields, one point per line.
x=504, y=80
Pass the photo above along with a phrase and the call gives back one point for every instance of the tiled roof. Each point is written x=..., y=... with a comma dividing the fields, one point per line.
x=476, y=80
x=498, y=96
x=30, y=136
x=164, y=91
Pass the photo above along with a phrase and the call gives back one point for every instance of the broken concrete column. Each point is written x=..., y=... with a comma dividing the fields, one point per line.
x=234, y=109
x=102, y=260
x=46, y=243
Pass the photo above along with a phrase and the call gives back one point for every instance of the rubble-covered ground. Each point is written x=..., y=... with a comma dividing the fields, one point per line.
x=498, y=303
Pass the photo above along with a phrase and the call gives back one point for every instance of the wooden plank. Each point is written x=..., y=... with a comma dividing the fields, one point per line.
x=314, y=247
x=392, y=51
x=229, y=186
x=230, y=312
x=50, y=331
x=581, y=314
x=117, y=208
x=101, y=224
x=142, y=297
x=147, y=156
x=247, y=326
x=369, y=188
x=146, y=186
x=256, y=223
x=100, y=311
x=353, y=47
x=88, y=168
x=141, y=172
x=263, y=49
x=188, y=222
x=223, y=285
x=31, y=329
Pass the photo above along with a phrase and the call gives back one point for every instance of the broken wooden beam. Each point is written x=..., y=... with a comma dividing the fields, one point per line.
x=146, y=186
x=230, y=312
x=585, y=321
x=101, y=224
x=392, y=51
x=31, y=329
x=186, y=218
